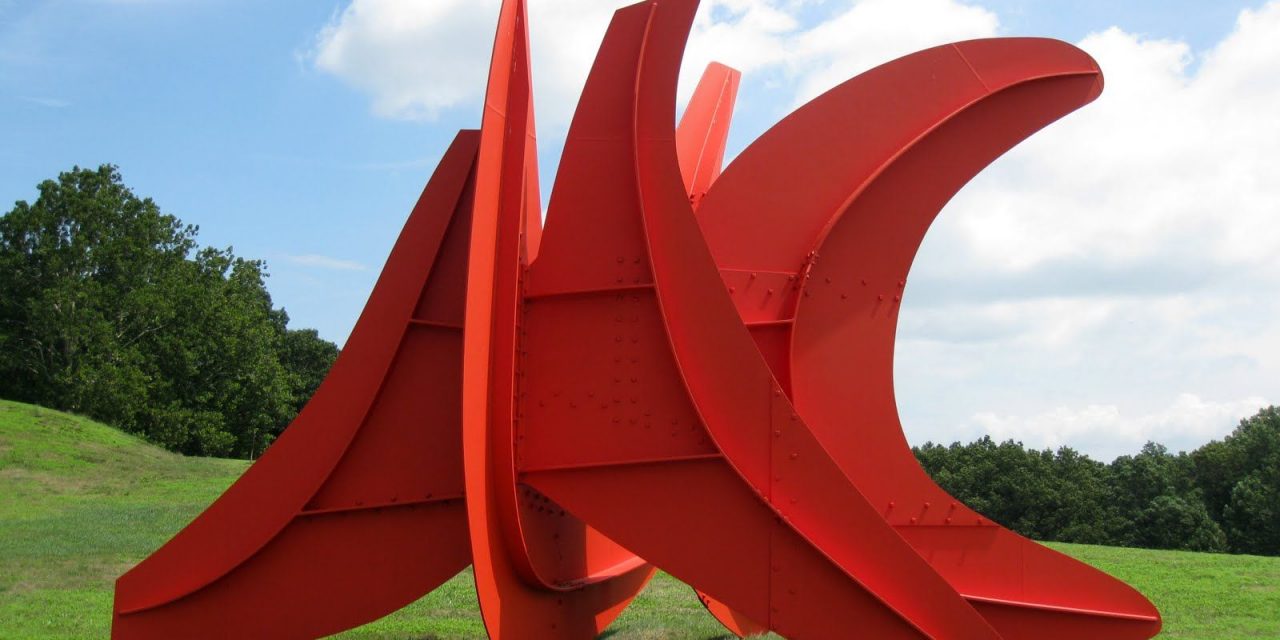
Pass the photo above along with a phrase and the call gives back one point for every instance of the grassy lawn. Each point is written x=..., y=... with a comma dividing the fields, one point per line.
x=81, y=502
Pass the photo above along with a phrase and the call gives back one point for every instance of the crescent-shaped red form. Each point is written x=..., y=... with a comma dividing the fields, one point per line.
x=688, y=370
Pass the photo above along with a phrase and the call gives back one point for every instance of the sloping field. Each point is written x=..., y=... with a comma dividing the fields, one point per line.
x=81, y=502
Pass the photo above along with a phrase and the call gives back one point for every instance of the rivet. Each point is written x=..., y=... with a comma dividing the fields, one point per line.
x=913, y=521
x=794, y=456
x=777, y=433
x=926, y=505
x=880, y=297
x=753, y=275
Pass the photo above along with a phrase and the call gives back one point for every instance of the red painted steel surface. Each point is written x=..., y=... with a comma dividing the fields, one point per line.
x=689, y=370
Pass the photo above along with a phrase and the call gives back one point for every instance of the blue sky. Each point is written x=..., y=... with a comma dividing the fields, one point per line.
x=302, y=132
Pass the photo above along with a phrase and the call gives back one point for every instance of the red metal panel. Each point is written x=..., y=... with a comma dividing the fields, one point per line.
x=248, y=543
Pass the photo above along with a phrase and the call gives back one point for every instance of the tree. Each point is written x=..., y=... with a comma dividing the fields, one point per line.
x=85, y=274
x=307, y=357
x=1252, y=517
x=1170, y=522
x=1040, y=494
x=108, y=308
x=1240, y=478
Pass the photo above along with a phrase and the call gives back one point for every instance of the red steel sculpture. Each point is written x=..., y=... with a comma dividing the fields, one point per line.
x=686, y=370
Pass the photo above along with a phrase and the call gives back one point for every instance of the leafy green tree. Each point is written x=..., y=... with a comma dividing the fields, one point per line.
x=108, y=308
x=1240, y=478
x=1170, y=522
x=1252, y=516
x=85, y=274
x=307, y=357
x=1041, y=494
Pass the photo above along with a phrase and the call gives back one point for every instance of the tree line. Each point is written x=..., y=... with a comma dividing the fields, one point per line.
x=1222, y=497
x=110, y=308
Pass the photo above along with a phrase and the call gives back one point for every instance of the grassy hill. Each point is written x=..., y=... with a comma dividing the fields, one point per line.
x=81, y=502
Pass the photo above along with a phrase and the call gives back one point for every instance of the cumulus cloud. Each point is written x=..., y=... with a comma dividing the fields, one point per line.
x=1106, y=431
x=416, y=59
x=1124, y=254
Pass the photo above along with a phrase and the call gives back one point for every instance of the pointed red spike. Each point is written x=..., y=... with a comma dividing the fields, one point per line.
x=325, y=483
x=704, y=129
x=535, y=577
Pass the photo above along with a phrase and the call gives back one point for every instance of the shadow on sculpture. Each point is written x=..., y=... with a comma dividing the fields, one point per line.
x=687, y=370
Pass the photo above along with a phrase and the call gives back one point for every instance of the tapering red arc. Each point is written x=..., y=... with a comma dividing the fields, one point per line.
x=689, y=371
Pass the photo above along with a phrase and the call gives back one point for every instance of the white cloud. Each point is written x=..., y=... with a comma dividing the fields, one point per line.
x=325, y=262
x=414, y=58
x=417, y=59
x=1107, y=431
x=1124, y=255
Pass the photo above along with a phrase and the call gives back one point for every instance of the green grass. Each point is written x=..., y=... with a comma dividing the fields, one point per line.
x=81, y=502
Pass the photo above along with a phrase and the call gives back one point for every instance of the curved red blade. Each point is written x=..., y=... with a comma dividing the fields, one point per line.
x=370, y=467
x=922, y=127
x=700, y=143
